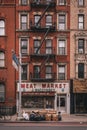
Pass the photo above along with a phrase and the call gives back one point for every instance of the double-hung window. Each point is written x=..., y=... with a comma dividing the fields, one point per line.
x=2, y=27
x=81, y=21
x=2, y=92
x=61, y=74
x=81, y=46
x=2, y=59
x=36, y=46
x=36, y=71
x=36, y=20
x=24, y=46
x=24, y=2
x=61, y=47
x=48, y=20
x=80, y=2
x=48, y=46
x=24, y=72
x=62, y=22
x=62, y=2
x=81, y=70
x=24, y=20
x=48, y=72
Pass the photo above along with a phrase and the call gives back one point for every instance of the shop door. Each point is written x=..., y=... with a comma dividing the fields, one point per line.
x=61, y=103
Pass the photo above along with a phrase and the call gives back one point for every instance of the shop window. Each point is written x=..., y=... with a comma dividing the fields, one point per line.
x=2, y=92
x=2, y=27
x=62, y=22
x=61, y=74
x=81, y=70
x=48, y=46
x=24, y=46
x=24, y=72
x=23, y=23
x=2, y=59
x=81, y=46
x=81, y=21
x=61, y=47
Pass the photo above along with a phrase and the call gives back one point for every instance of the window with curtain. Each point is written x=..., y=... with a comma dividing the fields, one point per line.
x=2, y=27
x=2, y=59
x=2, y=92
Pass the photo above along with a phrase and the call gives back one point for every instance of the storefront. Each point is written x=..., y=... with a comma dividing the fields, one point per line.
x=45, y=95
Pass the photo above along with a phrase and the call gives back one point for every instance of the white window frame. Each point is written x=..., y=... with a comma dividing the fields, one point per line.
x=2, y=27
x=2, y=59
x=2, y=92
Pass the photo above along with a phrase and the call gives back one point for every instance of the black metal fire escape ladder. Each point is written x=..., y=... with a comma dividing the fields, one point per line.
x=42, y=15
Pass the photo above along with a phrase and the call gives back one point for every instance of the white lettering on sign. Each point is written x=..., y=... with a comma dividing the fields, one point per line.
x=36, y=87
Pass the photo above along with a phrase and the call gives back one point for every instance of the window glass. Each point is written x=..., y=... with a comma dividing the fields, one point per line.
x=24, y=72
x=80, y=2
x=23, y=22
x=48, y=46
x=2, y=27
x=61, y=47
x=36, y=46
x=81, y=70
x=62, y=22
x=24, y=45
x=81, y=21
x=2, y=59
x=81, y=45
x=2, y=92
x=48, y=20
x=48, y=71
x=61, y=74
x=62, y=2
x=24, y=2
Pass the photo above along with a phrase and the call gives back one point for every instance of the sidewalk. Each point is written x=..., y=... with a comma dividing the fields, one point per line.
x=65, y=118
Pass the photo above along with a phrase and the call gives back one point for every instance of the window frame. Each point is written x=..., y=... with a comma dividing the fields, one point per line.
x=61, y=50
x=81, y=68
x=81, y=45
x=2, y=91
x=48, y=74
x=24, y=47
x=2, y=27
x=24, y=24
x=48, y=46
x=37, y=45
x=61, y=75
x=24, y=74
x=81, y=21
x=49, y=18
x=2, y=59
x=80, y=2
x=24, y=2
x=62, y=25
x=61, y=2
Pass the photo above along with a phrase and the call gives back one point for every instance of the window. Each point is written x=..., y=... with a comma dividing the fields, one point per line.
x=62, y=22
x=81, y=2
x=2, y=27
x=24, y=46
x=48, y=20
x=2, y=92
x=23, y=22
x=81, y=46
x=48, y=72
x=36, y=71
x=62, y=2
x=24, y=2
x=61, y=74
x=36, y=19
x=36, y=46
x=81, y=21
x=48, y=46
x=61, y=47
x=24, y=72
x=81, y=70
x=2, y=59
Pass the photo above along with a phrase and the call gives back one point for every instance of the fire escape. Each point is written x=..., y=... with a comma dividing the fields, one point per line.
x=40, y=53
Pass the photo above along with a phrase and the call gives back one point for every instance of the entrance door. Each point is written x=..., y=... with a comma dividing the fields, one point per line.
x=61, y=103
